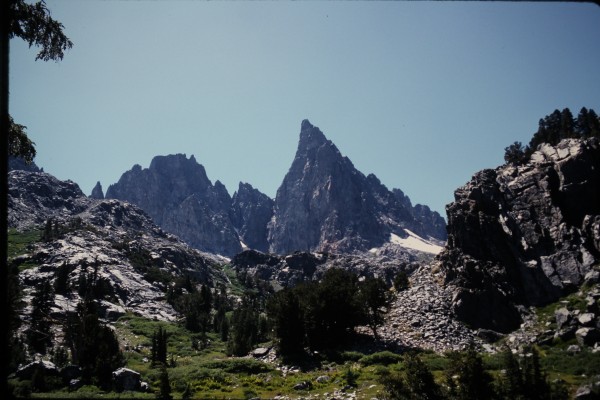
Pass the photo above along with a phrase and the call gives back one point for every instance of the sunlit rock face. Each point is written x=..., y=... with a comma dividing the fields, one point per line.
x=524, y=235
x=114, y=241
x=324, y=203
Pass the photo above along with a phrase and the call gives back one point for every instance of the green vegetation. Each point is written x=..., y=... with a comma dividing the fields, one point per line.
x=322, y=315
x=19, y=242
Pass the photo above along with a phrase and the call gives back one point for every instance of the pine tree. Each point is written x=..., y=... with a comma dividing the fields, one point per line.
x=164, y=385
x=40, y=334
x=419, y=380
x=376, y=298
x=159, y=347
x=512, y=382
x=515, y=154
x=474, y=382
x=288, y=323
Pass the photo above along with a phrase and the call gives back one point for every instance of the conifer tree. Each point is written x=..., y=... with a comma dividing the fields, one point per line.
x=159, y=347
x=288, y=322
x=40, y=334
x=164, y=385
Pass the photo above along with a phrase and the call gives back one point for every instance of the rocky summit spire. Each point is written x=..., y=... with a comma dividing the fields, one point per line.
x=311, y=137
x=97, y=192
x=324, y=203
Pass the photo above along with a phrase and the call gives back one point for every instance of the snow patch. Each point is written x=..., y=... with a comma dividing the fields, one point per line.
x=415, y=242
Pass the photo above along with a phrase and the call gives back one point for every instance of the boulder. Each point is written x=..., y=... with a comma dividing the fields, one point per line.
x=47, y=367
x=70, y=372
x=126, y=379
x=562, y=316
x=585, y=393
x=75, y=384
x=586, y=319
x=260, y=352
x=304, y=385
x=587, y=336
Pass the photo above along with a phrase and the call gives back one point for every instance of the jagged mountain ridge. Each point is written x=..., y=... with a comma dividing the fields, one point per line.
x=325, y=204
x=524, y=235
x=349, y=212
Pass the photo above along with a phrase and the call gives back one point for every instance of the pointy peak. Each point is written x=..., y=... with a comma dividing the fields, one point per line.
x=310, y=136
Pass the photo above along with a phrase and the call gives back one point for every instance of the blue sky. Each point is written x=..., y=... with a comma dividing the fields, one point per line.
x=422, y=94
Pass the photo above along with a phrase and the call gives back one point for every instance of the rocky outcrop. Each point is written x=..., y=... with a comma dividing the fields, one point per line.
x=114, y=240
x=325, y=204
x=97, y=192
x=251, y=212
x=180, y=198
x=35, y=197
x=18, y=164
x=524, y=235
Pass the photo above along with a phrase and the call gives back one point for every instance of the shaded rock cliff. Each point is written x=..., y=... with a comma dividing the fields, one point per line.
x=250, y=213
x=325, y=204
x=524, y=235
x=97, y=192
x=178, y=195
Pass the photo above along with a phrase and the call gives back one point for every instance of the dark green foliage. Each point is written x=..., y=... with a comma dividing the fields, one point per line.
x=473, y=381
x=401, y=281
x=381, y=358
x=515, y=154
x=244, y=328
x=15, y=303
x=51, y=230
x=351, y=377
x=19, y=145
x=195, y=305
x=159, y=347
x=394, y=386
x=511, y=384
x=552, y=129
x=32, y=23
x=224, y=330
x=60, y=356
x=164, y=386
x=61, y=281
x=419, y=380
x=331, y=309
x=323, y=315
x=288, y=322
x=376, y=298
x=188, y=393
x=94, y=346
x=240, y=366
x=526, y=379
x=91, y=285
x=39, y=334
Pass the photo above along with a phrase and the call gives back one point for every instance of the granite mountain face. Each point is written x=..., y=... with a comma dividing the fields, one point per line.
x=524, y=235
x=115, y=240
x=326, y=204
x=180, y=198
x=323, y=204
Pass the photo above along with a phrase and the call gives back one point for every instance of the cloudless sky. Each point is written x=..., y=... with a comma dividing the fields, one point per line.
x=422, y=94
